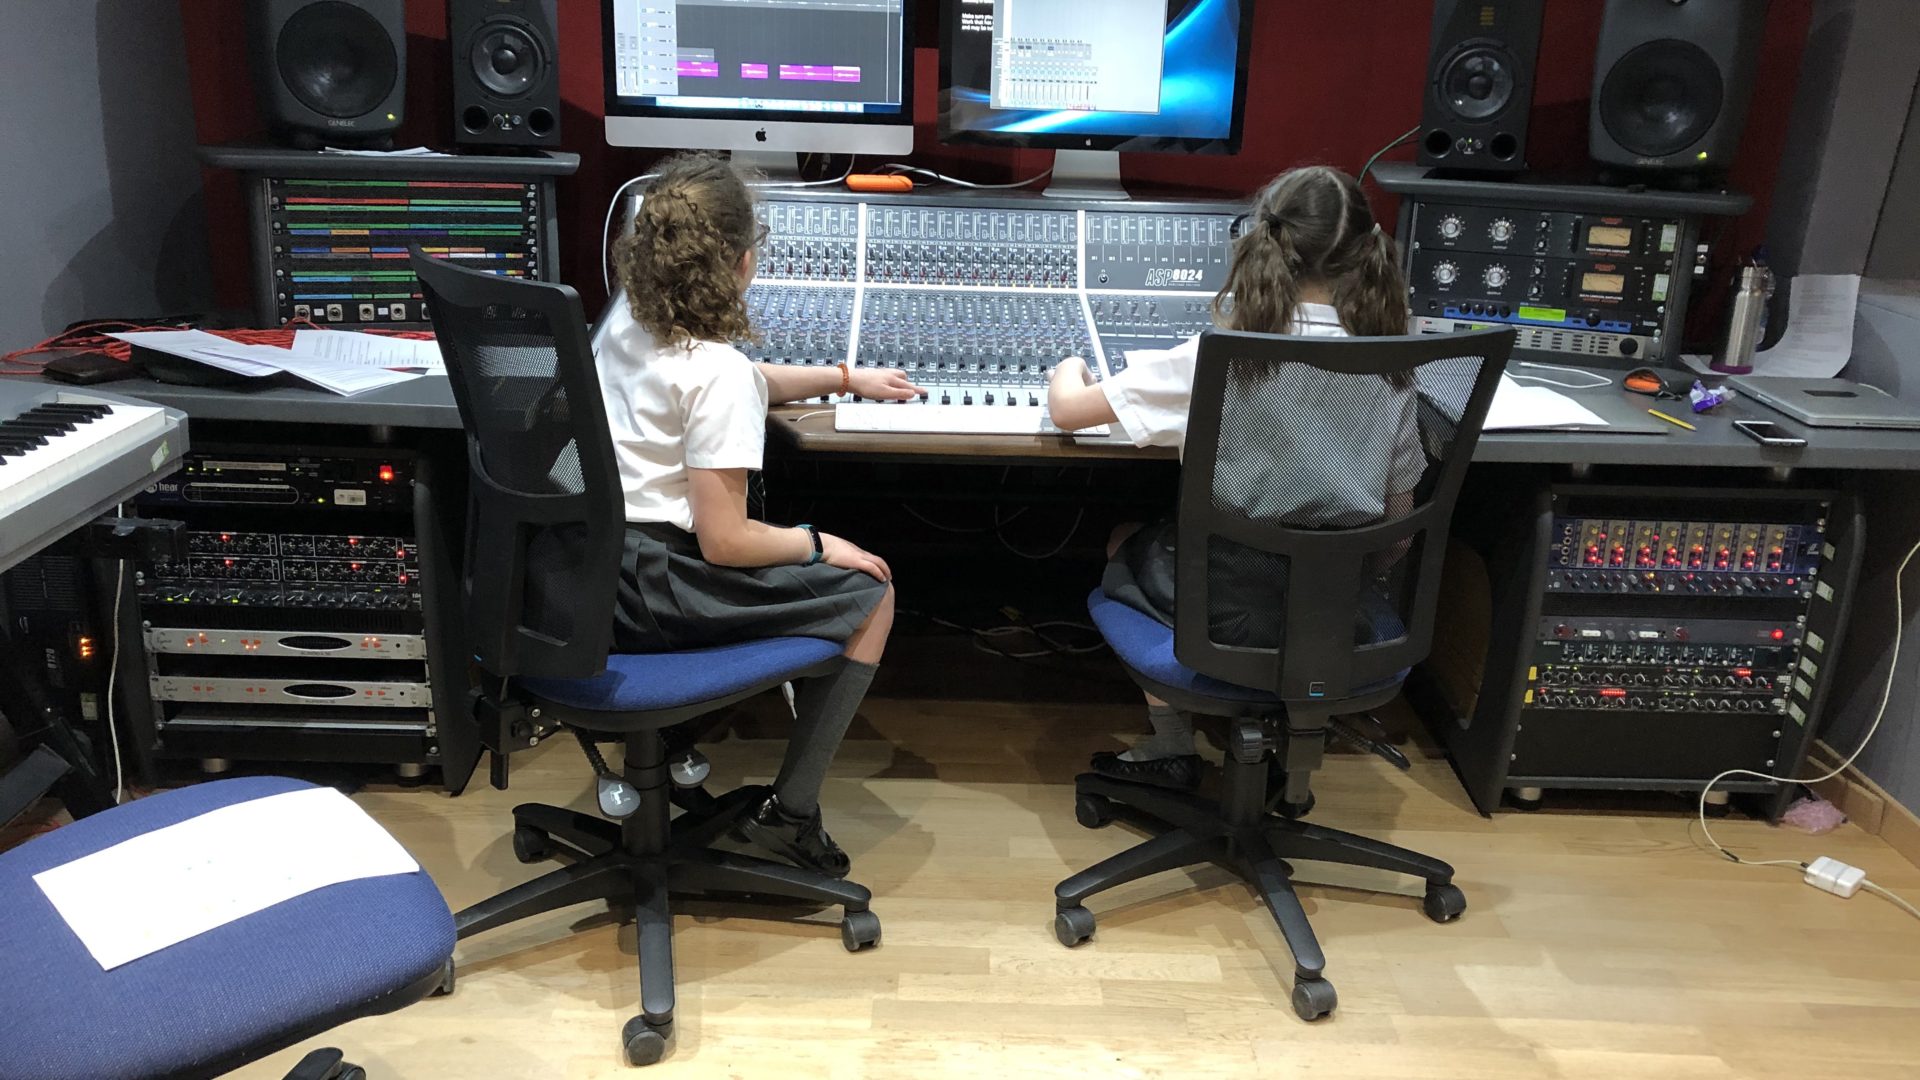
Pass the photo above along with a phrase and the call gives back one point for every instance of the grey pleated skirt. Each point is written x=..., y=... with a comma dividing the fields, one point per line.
x=670, y=598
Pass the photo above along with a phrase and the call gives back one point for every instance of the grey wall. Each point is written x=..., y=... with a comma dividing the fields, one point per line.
x=1845, y=206
x=99, y=192
x=1892, y=759
x=1856, y=82
x=1896, y=244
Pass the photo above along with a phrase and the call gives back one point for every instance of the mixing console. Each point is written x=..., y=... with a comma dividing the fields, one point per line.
x=810, y=242
x=800, y=325
x=976, y=300
x=934, y=245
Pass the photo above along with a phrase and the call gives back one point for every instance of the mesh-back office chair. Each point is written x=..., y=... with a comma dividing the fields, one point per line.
x=544, y=544
x=1283, y=436
x=220, y=999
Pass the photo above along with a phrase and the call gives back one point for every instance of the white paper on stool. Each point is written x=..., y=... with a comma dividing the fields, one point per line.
x=161, y=888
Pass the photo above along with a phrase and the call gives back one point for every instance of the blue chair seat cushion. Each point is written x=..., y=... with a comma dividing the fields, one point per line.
x=1145, y=644
x=645, y=682
x=217, y=999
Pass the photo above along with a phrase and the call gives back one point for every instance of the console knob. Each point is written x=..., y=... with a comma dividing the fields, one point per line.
x=1495, y=276
x=1451, y=227
x=1501, y=230
x=1445, y=273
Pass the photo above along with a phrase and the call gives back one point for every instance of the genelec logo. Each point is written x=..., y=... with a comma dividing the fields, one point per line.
x=1162, y=276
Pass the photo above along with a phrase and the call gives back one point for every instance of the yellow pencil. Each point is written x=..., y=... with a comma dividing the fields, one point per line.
x=1671, y=419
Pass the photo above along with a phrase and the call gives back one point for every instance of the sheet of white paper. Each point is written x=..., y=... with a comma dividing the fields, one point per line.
x=411, y=151
x=1819, y=337
x=199, y=346
x=353, y=348
x=1517, y=408
x=161, y=888
x=343, y=379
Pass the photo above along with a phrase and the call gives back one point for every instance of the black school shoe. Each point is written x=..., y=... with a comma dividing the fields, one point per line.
x=800, y=840
x=1178, y=773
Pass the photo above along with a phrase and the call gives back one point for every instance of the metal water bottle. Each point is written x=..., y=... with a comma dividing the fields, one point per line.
x=1746, y=317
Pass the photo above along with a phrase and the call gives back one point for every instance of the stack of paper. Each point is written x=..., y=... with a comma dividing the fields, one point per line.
x=368, y=350
x=346, y=367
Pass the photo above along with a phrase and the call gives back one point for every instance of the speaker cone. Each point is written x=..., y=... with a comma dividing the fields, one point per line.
x=506, y=59
x=1477, y=82
x=336, y=59
x=1661, y=98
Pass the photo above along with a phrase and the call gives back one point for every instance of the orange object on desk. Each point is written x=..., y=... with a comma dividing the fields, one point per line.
x=879, y=182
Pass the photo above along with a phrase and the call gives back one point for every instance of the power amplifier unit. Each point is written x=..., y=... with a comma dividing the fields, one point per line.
x=295, y=628
x=1656, y=637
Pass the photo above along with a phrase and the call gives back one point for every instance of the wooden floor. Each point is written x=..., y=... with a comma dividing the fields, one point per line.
x=1599, y=944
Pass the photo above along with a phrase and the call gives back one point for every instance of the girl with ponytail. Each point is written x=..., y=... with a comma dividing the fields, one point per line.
x=689, y=415
x=1311, y=260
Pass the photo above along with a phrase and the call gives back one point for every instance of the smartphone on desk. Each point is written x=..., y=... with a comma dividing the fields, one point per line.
x=1768, y=433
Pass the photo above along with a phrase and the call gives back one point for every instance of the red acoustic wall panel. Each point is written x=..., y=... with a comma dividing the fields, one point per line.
x=1327, y=83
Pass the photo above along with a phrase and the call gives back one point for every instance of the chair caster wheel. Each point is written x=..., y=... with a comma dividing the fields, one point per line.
x=530, y=845
x=646, y=1043
x=1444, y=903
x=860, y=930
x=1520, y=802
x=1294, y=811
x=352, y=1072
x=1313, y=998
x=1716, y=811
x=1073, y=925
x=446, y=981
x=1093, y=811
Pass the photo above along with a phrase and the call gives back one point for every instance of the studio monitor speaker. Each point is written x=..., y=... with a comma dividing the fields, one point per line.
x=330, y=71
x=506, y=80
x=1671, y=80
x=1480, y=84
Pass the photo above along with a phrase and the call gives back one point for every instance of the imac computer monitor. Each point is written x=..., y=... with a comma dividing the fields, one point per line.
x=785, y=76
x=1094, y=75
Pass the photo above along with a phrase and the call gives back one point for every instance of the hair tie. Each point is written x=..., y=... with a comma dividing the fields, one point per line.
x=1274, y=221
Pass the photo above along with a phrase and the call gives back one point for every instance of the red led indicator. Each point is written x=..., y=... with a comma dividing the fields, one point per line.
x=353, y=541
x=1743, y=672
x=1613, y=692
x=386, y=473
x=1778, y=635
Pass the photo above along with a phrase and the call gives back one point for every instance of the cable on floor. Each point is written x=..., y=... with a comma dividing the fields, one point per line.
x=1886, y=694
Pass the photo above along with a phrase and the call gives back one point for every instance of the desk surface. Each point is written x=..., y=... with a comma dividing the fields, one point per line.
x=428, y=403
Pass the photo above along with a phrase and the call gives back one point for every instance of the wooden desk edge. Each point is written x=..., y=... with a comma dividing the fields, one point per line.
x=809, y=428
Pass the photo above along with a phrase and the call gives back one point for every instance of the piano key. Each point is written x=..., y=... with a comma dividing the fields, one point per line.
x=37, y=462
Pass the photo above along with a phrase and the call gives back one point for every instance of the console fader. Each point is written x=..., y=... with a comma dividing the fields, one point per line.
x=977, y=298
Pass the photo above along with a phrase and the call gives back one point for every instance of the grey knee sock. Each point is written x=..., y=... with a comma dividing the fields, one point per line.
x=825, y=707
x=1172, y=735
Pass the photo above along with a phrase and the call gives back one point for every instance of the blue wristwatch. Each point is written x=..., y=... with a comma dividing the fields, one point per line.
x=818, y=552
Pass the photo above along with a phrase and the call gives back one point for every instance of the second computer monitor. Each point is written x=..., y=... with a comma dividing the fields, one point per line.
x=1132, y=75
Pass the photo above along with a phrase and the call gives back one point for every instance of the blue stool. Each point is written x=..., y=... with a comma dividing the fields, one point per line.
x=221, y=999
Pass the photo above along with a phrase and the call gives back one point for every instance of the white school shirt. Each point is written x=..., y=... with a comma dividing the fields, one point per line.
x=1151, y=396
x=697, y=405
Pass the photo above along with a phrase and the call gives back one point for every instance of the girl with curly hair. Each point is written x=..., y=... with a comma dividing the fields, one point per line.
x=689, y=412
